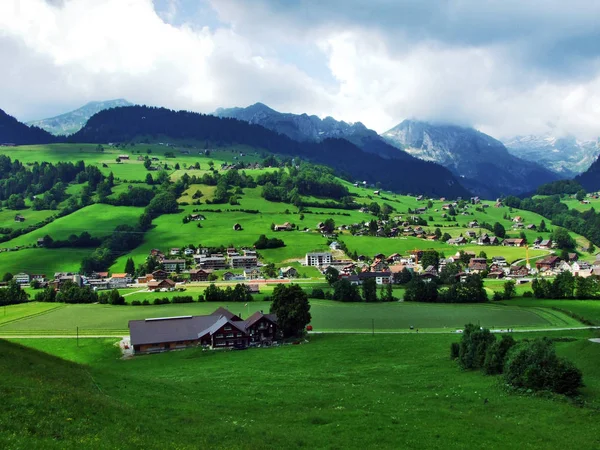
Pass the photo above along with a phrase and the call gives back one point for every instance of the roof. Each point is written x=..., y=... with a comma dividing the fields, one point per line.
x=168, y=329
x=173, y=261
x=120, y=275
x=220, y=311
x=257, y=316
x=155, y=283
x=374, y=274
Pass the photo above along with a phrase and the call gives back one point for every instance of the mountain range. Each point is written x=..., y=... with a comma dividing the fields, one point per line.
x=14, y=132
x=566, y=156
x=483, y=163
x=73, y=121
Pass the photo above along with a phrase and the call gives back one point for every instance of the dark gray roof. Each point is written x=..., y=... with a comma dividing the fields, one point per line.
x=168, y=329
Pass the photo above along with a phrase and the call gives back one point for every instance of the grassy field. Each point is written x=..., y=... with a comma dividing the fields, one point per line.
x=42, y=260
x=326, y=316
x=590, y=309
x=348, y=392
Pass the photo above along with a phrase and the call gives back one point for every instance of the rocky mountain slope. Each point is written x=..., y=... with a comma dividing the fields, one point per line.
x=483, y=163
x=566, y=156
x=305, y=128
x=590, y=179
x=73, y=121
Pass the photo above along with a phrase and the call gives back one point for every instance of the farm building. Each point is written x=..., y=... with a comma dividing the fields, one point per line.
x=221, y=329
x=162, y=284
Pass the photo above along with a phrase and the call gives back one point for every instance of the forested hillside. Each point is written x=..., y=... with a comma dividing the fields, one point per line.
x=145, y=123
x=14, y=132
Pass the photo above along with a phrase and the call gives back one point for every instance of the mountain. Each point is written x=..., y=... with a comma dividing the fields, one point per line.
x=146, y=123
x=14, y=132
x=590, y=179
x=73, y=121
x=483, y=163
x=565, y=156
x=305, y=128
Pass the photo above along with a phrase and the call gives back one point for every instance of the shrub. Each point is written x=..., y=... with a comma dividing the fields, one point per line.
x=473, y=346
x=496, y=355
x=454, y=350
x=183, y=299
x=145, y=302
x=535, y=365
x=497, y=296
x=528, y=294
x=136, y=303
x=317, y=293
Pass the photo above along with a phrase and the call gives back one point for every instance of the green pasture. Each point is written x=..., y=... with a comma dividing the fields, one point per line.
x=387, y=391
x=42, y=260
x=589, y=309
x=326, y=316
x=7, y=217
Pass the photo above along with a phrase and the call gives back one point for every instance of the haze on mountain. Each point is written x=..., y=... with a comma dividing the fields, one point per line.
x=567, y=156
x=483, y=163
x=73, y=121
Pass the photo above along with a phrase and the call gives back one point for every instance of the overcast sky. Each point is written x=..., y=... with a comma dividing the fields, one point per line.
x=506, y=67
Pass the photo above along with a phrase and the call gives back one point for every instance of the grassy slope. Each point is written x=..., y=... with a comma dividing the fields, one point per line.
x=335, y=392
x=326, y=315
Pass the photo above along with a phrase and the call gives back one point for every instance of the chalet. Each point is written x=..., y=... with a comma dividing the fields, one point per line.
x=378, y=265
x=237, y=227
x=200, y=274
x=519, y=271
x=429, y=273
x=496, y=274
x=159, y=275
x=394, y=257
x=100, y=275
x=22, y=278
x=212, y=262
x=471, y=234
x=40, y=242
x=243, y=262
x=41, y=277
x=318, y=259
x=155, y=285
x=123, y=156
x=334, y=245
x=188, y=251
x=531, y=226
x=546, y=243
x=174, y=251
x=156, y=253
x=499, y=260
x=514, y=242
x=547, y=263
x=227, y=276
x=285, y=227
x=262, y=328
x=253, y=288
x=518, y=219
x=197, y=217
x=172, y=265
x=380, y=277
x=252, y=274
x=573, y=257
x=477, y=265
x=457, y=241
x=19, y=218
x=474, y=224
x=288, y=272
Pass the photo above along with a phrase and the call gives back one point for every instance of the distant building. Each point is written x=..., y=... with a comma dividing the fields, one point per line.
x=318, y=259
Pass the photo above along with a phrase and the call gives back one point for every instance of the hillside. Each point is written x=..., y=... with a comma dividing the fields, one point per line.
x=73, y=121
x=144, y=123
x=14, y=132
x=566, y=156
x=590, y=179
x=305, y=128
x=483, y=163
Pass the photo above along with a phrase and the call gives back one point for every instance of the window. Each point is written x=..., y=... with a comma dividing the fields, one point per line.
x=229, y=335
x=227, y=328
x=219, y=336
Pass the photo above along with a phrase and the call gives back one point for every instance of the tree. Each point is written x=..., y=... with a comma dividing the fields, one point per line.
x=290, y=305
x=430, y=258
x=130, y=266
x=147, y=163
x=402, y=277
x=499, y=230
x=388, y=293
x=563, y=239
x=116, y=298
x=420, y=291
x=496, y=355
x=7, y=277
x=329, y=225
x=15, y=201
x=509, y=289
x=580, y=195
x=474, y=343
x=369, y=290
x=344, y=291
x=542, y=228
x=145, y=222
x=331, y=275
x=438, y=233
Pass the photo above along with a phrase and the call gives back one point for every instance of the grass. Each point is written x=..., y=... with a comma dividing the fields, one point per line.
x=42, y=260
x=326, y=316
x=335, y=392
x=590, y=309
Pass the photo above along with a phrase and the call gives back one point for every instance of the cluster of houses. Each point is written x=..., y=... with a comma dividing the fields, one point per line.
x=221, y=329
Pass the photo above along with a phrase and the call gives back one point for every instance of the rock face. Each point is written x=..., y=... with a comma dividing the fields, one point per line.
x=305, y=128
x=483, y=163
x=74, y=121
x=590, y=179
x=566, y=156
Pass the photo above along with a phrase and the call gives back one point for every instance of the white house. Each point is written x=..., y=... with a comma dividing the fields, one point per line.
x=22, y=278
x=318, y=259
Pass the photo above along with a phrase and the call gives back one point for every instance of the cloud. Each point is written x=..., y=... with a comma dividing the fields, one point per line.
x=507, y=68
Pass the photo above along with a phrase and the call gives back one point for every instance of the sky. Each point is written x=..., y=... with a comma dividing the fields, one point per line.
x=505, y=67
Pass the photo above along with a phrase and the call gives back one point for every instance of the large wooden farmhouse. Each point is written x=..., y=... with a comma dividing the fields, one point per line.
x=221, y=329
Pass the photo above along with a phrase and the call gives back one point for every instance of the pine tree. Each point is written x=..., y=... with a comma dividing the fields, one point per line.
x=130, y=266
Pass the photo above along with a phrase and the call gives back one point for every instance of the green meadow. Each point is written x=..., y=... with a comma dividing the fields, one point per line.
x=332, y=391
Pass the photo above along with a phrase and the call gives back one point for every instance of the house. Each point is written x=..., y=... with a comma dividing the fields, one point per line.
x=547, y=263
x=573, y=257
x=40, y=242
x=477, y=265
x=221, y=329
x=250, y=253
x=167, y=285
x=288, y=272
x=174, y=251
x=380, y=277
x=546, y=243
x=243, y=262
x=499, y=261
x=188, y=251
x=237, y=227
x=457, y=241
x=159, y=275
x=471, y=234
x=518, y=219
x=252, y=274
x=228, y=276
x=514, y=242
x=474, y=224
x=334, y=245
x=496, y=274
x=200, y=274
x=211, y=262
x=119, y=280
x=172, y=265
x=285, y=227
x=100, y=275
x=41, y=277
x=19, y=218
x=123, y=156
x=531, y=226
x=429, y=273
x=519, y=271
x=197, y=217
x=22, y=278
x=253, y=288
x=318, y=259
x=231, y=251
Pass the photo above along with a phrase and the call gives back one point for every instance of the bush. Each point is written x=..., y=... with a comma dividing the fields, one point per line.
x=145, y=303
x=182, y=299
x=535, y=365
x=136, y=303
x=317, y=293
x=528, y=294
x=161, y=301
x=497, y=296
x=454, y=350
x=473, y=346
x=496, y=355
